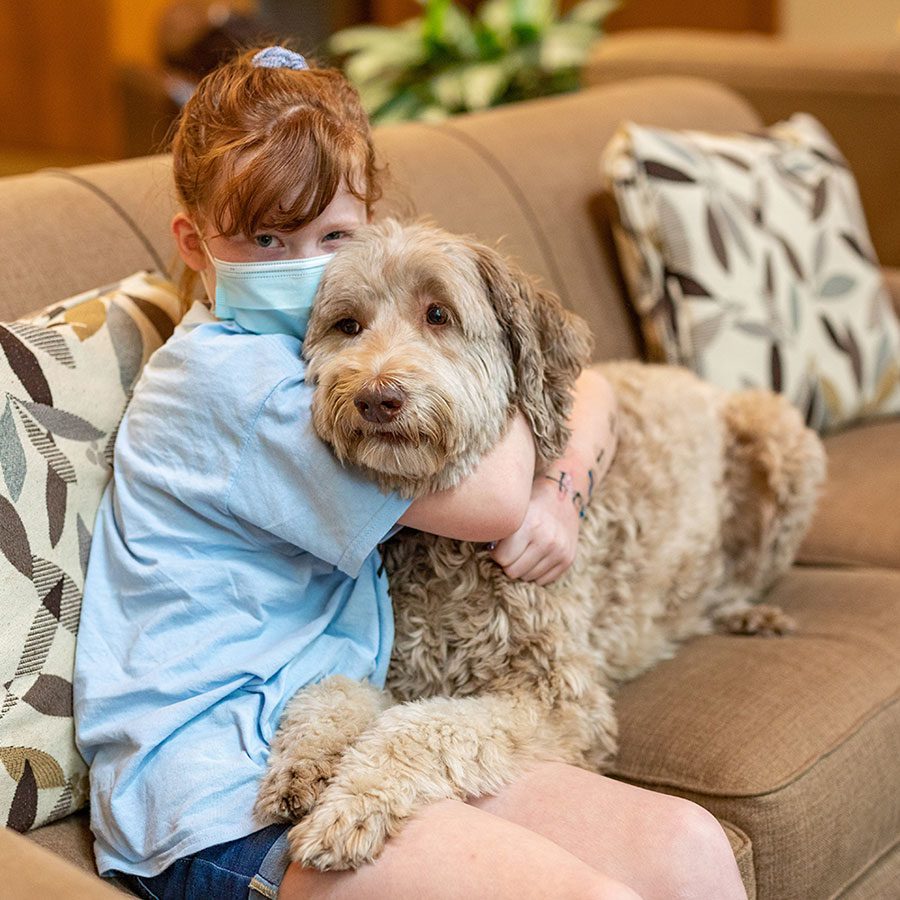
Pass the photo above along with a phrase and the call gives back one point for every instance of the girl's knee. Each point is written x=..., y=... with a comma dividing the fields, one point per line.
x=697, y=855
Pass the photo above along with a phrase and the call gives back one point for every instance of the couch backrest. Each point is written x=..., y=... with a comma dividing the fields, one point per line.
x=527, y=174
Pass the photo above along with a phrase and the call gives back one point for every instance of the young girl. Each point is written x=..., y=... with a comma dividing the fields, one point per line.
x=234, y=561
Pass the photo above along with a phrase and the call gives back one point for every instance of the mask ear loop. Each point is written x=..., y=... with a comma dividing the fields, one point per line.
x=204, y=275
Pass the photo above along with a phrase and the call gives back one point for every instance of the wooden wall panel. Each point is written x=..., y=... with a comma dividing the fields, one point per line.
x=57, y=77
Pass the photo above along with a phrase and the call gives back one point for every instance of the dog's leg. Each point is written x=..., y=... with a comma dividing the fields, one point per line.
x=754, y=618
x=317, y=726
x=418, y=753
x=774, y=468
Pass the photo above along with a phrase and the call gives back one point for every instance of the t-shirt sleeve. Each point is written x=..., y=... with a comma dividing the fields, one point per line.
x=289, y=483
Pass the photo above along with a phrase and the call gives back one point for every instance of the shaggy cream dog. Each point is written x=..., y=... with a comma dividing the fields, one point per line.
x=422, y=345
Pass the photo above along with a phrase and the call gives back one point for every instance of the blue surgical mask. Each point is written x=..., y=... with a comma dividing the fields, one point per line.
x=268, y=297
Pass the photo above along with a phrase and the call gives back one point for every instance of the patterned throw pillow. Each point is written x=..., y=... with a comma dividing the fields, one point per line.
x=748, y=260
x=66, y=377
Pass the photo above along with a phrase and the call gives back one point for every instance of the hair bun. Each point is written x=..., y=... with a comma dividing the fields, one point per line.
x=279, y=58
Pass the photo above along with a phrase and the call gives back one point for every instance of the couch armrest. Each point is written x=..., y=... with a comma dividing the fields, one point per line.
x=31, y=871
x=853, y=91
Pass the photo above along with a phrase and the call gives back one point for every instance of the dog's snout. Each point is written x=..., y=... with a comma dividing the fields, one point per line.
x=380, y=405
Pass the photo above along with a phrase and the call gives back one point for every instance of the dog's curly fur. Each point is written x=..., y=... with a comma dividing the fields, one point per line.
x=703, y=507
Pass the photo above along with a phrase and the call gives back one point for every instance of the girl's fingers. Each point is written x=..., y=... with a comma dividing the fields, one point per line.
x=552, y=575
x=510, y=549
x=531, y=560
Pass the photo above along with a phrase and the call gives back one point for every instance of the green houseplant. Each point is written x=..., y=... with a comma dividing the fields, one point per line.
x=449, y=60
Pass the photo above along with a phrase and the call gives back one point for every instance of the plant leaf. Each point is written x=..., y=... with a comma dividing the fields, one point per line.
x=12, y=456
x=44, y=444
x=86, y=318
x=795, y=309
x=855, y=355
x=734, y=160
x=56, y=494
x=656, y=169
x=776, y=368
x=858, y=249
x=715, y=238
x=690, y=287
x=62, y=423
x=756, y=329
x=46, y=339
x=50, y=695
x=49, y=578
x=14, y=538
x=128, y=342
x=819, y=251
x=832, y=334
x=23, y=808
x=703, y=333
x=887, y=384
x=820, y=196
x=837, y=286
x=84, y=544
x=17, y=761
x=158, y=317
x=791, y=255
x=25, y=367
x=736, y=233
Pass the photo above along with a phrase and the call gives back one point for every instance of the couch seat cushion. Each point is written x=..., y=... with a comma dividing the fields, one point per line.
x=795, y=740
x=857, y=521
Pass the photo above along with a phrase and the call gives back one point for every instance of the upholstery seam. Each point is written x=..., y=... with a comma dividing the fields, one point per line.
x=102, y=195
x=517, y=194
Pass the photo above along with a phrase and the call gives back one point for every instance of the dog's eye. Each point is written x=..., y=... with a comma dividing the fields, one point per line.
x=437, y=315
x=348, y=326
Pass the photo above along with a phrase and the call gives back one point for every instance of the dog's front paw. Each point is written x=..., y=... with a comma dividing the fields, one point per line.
x=762, y=619
x=292, y=786
x=343, y=831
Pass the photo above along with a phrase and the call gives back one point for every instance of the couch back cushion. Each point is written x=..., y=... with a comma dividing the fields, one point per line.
x=525, y=173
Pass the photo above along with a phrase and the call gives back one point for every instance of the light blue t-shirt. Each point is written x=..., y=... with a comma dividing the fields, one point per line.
x=234, y=561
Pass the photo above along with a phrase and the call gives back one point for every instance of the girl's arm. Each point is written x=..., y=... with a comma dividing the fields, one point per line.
x=543, y=547
x=489, y=504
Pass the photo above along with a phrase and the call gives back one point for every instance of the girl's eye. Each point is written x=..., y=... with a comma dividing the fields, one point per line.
x=336, y=235
x=348, y=326
x=437, y=315
x=264, y=240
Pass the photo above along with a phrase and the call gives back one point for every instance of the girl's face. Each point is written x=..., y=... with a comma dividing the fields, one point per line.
x=323, y=235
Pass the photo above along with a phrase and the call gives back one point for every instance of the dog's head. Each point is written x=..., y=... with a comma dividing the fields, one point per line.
x=422, y=344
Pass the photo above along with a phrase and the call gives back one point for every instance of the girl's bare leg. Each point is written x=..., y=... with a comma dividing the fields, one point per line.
x=453, y=851
x=660, y=846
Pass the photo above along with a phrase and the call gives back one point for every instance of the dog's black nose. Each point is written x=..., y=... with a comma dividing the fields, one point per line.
x=380, y=406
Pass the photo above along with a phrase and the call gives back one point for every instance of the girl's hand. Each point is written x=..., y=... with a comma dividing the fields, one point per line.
x=544, y=546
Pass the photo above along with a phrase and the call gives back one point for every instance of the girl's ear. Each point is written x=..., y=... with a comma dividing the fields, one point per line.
x=187, y=239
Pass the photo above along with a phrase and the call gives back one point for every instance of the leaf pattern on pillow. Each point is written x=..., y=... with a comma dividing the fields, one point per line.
x=748, y=259
x=66, y=376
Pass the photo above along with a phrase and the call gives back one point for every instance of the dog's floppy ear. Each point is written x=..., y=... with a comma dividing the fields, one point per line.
x=548, y=347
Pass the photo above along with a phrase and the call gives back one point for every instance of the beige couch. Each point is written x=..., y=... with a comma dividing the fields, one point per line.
x=793, y=743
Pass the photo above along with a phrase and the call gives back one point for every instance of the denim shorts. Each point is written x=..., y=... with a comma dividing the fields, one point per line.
x=250, y=867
